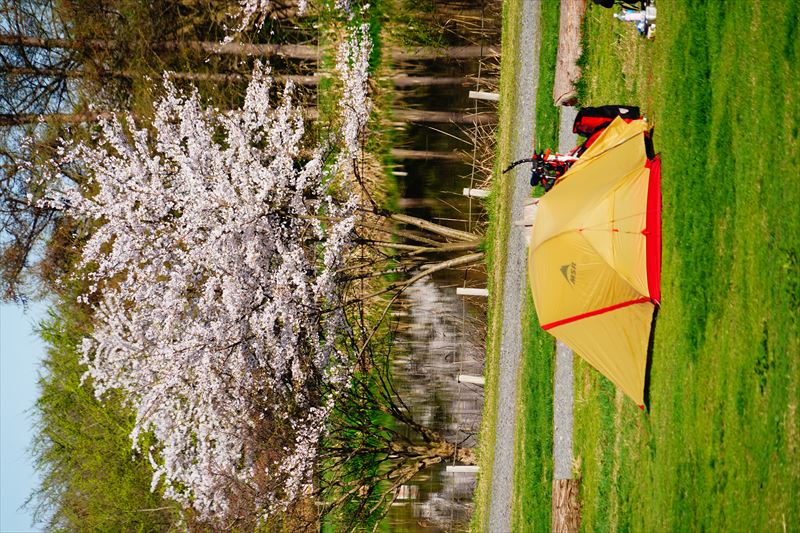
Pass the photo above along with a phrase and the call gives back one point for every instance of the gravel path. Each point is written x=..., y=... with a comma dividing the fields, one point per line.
x=514, y=289
x=514, y=282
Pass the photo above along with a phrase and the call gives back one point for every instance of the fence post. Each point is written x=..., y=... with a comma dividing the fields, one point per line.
x=466, y=378
x=462, y=469
x=469, y=291
x=481, y=95
x=476, y=193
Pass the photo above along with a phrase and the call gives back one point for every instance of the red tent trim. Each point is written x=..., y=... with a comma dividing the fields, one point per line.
x=594, y=313
x=653, y=230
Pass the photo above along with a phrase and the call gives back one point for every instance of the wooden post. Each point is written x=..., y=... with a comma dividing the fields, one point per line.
x=470, y=291
x=481, y=95
x=466, y=378
x=476, y=193
x=407, y=492
x=462, y=469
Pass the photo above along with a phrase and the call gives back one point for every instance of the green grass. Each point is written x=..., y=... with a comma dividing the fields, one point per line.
x=547, y=114
x=533, y=439
x=719, y=449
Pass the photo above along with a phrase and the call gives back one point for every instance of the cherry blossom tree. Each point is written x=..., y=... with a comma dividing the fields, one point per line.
x=218, y=260
x=256, y=12
x=215, y=290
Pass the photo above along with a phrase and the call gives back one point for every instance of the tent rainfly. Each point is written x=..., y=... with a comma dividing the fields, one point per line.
x=594, y=260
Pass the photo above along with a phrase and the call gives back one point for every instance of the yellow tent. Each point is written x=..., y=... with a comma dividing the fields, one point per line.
x=595, y=254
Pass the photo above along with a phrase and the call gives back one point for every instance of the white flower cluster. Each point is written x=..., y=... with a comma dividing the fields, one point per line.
x=344, y=6
x=256, y=10
x=352, y=64
x=249, y=10
x=218, y=287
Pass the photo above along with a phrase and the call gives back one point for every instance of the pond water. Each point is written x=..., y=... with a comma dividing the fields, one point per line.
x=440, y=334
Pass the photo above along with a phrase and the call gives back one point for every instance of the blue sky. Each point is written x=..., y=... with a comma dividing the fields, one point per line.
x=20, y=353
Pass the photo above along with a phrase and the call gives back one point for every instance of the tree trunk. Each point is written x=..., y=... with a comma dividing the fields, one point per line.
x=441, y=450
x=425, y=117
x=415, y=250
x=190, y=76
x=438, y=267
x=460, y=261
x=18, y=119
x=402, y=80
x=405, y=115
x=452, y=52
x=311, y=81
x=415, y=115
x=569, y=50
x=433, y=227
x=399, y=153
x=566, y=511
x=294, y=51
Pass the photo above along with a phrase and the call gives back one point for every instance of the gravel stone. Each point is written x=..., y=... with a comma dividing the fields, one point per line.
x=514, y=283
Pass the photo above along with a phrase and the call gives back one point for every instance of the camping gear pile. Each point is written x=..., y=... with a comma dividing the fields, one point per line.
x=547, y=167
x=594, y=259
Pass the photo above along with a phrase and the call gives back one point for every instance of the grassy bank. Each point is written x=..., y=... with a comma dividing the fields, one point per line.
x=719, y=447
x=497, y=235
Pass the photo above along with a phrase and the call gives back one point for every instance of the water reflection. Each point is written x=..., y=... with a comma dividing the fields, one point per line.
x=440, y=335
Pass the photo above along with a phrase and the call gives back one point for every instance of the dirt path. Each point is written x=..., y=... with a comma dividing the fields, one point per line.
x=514, y=288
x=514, y=283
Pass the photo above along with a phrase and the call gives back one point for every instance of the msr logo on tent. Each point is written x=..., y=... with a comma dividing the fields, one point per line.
x=570, y=273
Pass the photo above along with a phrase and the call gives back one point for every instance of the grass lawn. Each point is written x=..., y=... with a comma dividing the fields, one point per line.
x=719, y=449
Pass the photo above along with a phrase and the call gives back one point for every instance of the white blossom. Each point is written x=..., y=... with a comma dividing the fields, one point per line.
x=249, y=11
x=344, y=5
x=218, y=301
x=352, y=65
x=255, y=11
